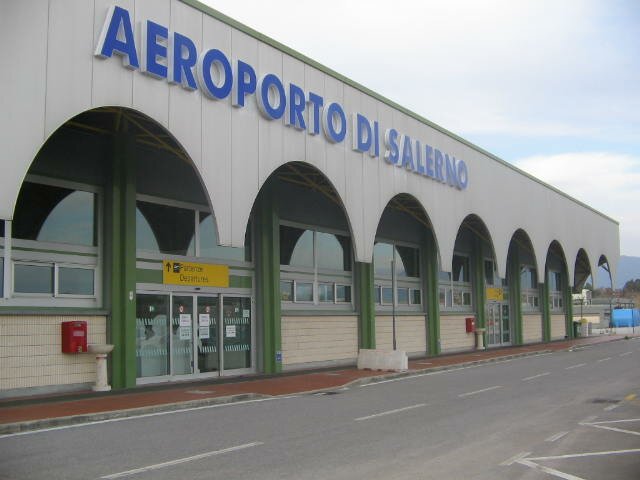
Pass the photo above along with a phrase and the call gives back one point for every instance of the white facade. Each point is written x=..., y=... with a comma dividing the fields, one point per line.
x=51, y=74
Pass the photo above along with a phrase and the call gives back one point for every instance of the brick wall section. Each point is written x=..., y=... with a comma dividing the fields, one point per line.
x=453, y=335
x=318, y=339
x=31, y=351
x=531, y=327
x=411, y=333
x=557, y=327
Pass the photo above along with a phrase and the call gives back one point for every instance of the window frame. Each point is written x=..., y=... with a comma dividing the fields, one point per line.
x=409, y=284
x=450, y=288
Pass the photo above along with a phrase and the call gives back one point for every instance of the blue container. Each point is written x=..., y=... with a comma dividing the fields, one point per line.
x=626, y=317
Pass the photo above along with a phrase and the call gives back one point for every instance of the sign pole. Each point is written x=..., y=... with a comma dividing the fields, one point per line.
x=393, y=295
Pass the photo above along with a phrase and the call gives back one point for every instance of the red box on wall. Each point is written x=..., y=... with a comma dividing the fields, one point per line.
x=74, y=337
x=470, y=324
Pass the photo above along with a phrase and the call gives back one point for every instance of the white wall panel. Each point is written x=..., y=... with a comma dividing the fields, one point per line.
x=315, y=145
x=70, y=43
x=270, y=132
x=293, y=71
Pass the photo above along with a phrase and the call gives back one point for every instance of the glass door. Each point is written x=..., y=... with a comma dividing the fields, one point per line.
x=506, y=325
x=207, y=327
x=236, y=332
x=152, y=335
x=498, y=324
x=182, y=335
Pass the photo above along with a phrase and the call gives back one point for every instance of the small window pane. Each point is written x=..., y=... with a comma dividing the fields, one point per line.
x=286, y=291
x=457, y=298
x=382, y=257
x=442, y=297
x=387, y=295
x=334, y=251
x=416, y=297
x=33, y=278
x=296, y=247
x=444, y=276
x=1, y=273
x=325, y=292
x=75, y=281
x=376, y=292
x=466, y=298
x=403, y=296
x=304, y=292
x=343, y=293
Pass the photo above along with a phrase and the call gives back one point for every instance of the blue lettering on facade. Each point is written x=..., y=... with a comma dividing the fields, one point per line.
x=163, y=54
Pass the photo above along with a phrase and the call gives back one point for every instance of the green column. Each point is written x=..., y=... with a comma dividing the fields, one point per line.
x=515, y=293
x=546, y=312
x=268, y=280
x=366, y=305
x=479, y=293
x=568, y=309
x=120, y=232
x=430, y=267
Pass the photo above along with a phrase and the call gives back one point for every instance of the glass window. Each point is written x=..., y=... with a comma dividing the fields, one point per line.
x=286, y=291
x=304, y=292
x=296, y=247
x=442, y=297
x=444, y=276
x=407, y=262
x=466, y=299
x=376, y=292
x=209, y=247
x=403, y=296
x=53, y=214
x=416, y=296
x=555, y=281
x=1, y=273
x=172, y=228
x=33, y=278
x=75, y=281
x=382, y=258
x=333, y=251
x=325, y=292
x=343, y=293
x=387, y=295
x=461, y=269
x=528, y=278
x=457, y=297
x=488, y=272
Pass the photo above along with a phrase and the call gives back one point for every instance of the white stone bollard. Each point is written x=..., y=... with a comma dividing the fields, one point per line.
x=101, y=352
x=480, y=338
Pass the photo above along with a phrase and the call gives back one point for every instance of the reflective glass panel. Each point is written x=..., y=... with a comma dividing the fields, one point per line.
x=207, y=338
x=333, y=251
x=376, y=292
x=382, y=257
x=442, y=297
x=343, y=293
x=33, y=278
x=387, y=295
x=172, y=228
x=152, y=335
x=325, y=292
x=403, y=296
x=461, y=269
x=1, y=274
x=286, y=291
x=236, y=332
x=209, y=247
x=296, y=247
x=75, y=281
x=53, y=214
x=407, y=262
x=182, y=335
x=416, y=297
x=304, y=292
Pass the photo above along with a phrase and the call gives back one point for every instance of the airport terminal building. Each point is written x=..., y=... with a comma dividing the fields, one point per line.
x=212, y=203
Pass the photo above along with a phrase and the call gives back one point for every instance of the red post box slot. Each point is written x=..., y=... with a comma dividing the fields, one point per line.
x=74, y=337
x=470, y=324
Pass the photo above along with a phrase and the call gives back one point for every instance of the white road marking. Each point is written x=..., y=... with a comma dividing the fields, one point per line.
x=145, y=415
x=555, y=437
x=526, y=379
x=178, y=461
x=389, y=412
x=575, y=366
x=587, y=454
x=479, y=391
x=627, y=420
x=604, y=359
x=588, y=420
x=550, y=471
x=611, y=407
x=613, y=429
x=625, y=354
x=515, y=458
x=424, y=363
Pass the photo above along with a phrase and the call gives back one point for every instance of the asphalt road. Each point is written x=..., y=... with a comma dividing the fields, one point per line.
x=569, y=414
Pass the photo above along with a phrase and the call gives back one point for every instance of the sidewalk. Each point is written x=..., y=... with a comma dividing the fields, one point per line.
x=32, y=413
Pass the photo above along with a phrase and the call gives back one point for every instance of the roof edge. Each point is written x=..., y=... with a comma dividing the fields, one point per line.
x=303, y=58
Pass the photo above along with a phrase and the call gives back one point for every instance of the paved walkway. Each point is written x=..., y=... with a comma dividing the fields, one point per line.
x=45, y=411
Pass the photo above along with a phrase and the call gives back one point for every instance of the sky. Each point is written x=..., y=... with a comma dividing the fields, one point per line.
x=552, y=87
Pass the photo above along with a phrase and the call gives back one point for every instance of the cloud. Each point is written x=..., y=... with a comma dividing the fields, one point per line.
x=608, y=182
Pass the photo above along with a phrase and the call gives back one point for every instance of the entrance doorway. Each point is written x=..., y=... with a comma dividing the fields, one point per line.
x=184, y=334
x=498, y=324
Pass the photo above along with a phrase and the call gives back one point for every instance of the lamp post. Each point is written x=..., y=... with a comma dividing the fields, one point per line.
x=393, y=296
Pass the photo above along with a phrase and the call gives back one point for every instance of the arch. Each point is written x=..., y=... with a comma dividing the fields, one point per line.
x=478, y=228
x=521, y=238
x=603, y=263
x=555, y=250
x=582, y=270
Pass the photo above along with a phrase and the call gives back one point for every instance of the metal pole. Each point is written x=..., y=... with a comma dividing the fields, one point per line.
x=393, y=295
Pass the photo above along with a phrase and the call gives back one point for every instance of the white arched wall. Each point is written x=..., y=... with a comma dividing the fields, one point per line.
x=236, y=149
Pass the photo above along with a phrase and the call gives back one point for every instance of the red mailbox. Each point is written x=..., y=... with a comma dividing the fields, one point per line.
x=74, y=337
x=470, y=324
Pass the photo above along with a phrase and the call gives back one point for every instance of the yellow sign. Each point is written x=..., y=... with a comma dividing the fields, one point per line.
x=195, y=274
x=495, y=294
